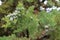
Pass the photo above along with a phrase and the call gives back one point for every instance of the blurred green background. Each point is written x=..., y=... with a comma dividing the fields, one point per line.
x=18, y=15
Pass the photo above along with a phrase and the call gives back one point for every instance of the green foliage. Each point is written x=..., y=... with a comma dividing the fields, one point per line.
x=7, y=6
x=27, y=20
x=8, y=23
